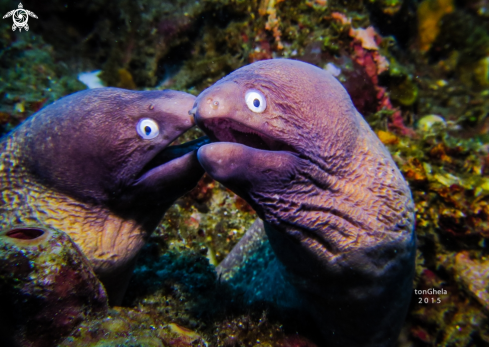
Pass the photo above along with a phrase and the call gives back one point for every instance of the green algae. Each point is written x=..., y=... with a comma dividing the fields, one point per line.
x=210, y=220
x=30, y=78
x=446, y=177
x=461, y=32
x=189, y=45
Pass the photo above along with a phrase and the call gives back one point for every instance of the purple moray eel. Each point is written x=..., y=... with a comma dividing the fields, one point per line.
x=337, y=212
x=97, y=164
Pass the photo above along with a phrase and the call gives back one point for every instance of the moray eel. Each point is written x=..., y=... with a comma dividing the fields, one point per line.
x=97, y=165
x=338, y=214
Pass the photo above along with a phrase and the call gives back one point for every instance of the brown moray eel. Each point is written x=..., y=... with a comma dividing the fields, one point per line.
x=338, y=214
x=96, y=164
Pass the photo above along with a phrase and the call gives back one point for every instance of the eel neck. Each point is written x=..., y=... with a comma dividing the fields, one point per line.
x=109, y=241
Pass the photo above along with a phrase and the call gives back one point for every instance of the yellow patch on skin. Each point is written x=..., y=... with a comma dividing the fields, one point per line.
x=106, y=240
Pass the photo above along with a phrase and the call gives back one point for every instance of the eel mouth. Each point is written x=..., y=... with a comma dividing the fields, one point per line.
x=227, y=130
x=170, y=153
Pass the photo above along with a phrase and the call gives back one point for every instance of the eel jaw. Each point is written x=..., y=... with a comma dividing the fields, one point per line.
x=230, y=130
x=242, y=154
x=170, y=173
x=168, y=157
x=247, y=160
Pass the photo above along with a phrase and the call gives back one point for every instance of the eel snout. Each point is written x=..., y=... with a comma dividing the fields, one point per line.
x=218, y=112
x=173, y=106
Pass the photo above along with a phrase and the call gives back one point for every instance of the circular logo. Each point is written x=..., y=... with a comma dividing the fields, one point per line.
x=20, y=17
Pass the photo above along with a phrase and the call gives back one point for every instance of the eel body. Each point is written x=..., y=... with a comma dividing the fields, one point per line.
x=97, y=164
x=338, y=215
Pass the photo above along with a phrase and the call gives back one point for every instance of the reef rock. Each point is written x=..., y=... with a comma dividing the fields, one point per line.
x=474, y=275
x=47, y=287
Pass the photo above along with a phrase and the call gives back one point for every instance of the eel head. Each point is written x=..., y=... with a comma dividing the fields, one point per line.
x=111, y=147
x=293, y=145
x=100, y=166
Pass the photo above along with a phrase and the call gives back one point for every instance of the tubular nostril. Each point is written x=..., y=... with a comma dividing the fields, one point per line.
x=214, y=104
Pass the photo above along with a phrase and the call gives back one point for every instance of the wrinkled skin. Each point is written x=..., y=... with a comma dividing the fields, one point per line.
x=79, y=165
x=338, y=214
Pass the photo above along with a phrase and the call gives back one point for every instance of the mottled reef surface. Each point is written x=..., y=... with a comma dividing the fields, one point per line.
x=417, y=70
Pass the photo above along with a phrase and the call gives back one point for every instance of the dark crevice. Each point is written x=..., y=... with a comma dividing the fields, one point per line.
x=401, y=25
x=173, y=152
x=25, y=233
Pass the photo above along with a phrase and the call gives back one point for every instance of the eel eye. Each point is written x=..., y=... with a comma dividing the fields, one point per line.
x=147, y=128
x=255, y=101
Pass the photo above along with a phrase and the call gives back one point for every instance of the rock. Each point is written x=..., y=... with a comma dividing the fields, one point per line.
x=47, y=287
x=474, y=276
x=427, y=123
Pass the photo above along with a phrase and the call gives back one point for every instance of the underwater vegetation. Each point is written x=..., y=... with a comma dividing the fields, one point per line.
x=418, y=71
x=47, y=287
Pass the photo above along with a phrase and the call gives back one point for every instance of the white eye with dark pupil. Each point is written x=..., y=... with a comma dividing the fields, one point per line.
x=147, y=128
x=255, y=100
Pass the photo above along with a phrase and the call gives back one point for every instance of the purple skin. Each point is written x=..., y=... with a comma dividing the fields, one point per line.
x=338, y=213
x=95, y=177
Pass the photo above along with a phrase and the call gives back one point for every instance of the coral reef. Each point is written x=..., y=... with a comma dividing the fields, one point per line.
x=435, y=67
x=448, y=184
x=132, y=327
x=210, y=219
x=47, y=287
x=474, y=275
x=175, y=301
x=430, y=13
x=37, y=80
